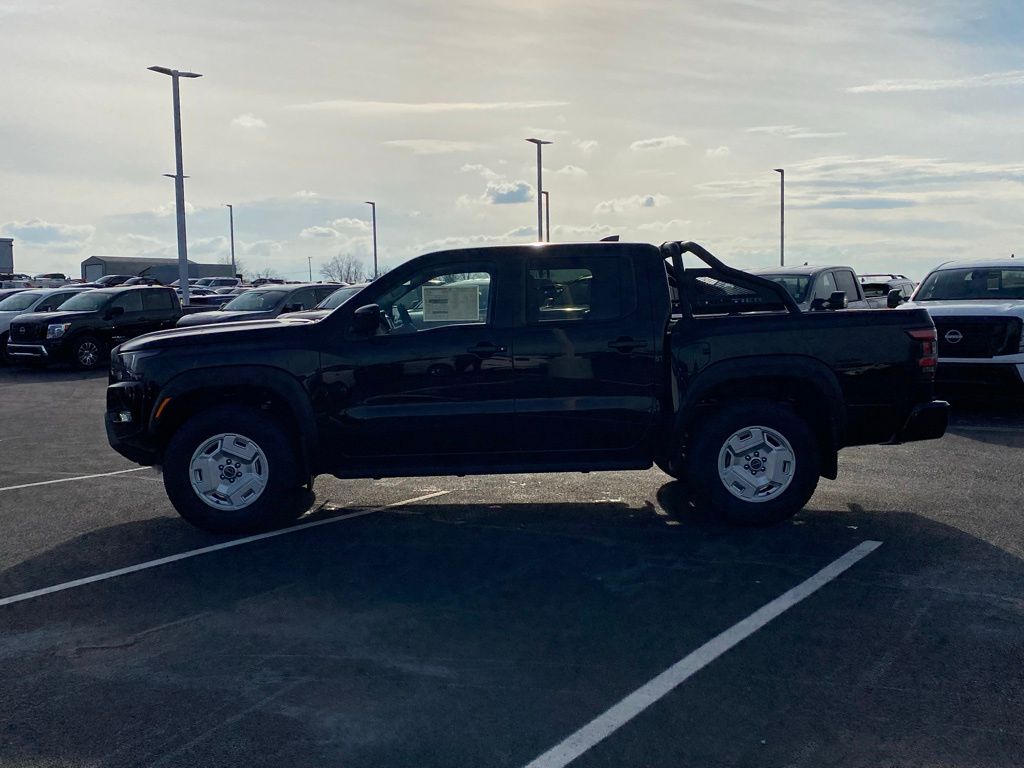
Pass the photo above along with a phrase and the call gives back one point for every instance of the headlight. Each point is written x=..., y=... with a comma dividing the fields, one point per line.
x=56, y=330
x=125, y=366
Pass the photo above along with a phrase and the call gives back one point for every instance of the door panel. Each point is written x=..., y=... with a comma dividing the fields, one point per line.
x=584, y=357
x=420, y=389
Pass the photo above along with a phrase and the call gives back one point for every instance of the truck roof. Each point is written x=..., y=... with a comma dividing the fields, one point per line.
x=804, y=269
x=980, y=264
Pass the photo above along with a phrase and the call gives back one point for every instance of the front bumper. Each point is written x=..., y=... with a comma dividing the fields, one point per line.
x=53, y=349
x=127, y=421
x=980, y=378
x=927, y=421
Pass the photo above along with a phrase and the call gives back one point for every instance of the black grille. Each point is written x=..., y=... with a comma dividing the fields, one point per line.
x=978, y=336
x=23, y=333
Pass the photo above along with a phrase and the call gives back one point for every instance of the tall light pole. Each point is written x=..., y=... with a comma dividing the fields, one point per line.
x=310, y=260
x=547, y=215
x=179, y=178
x=782, y=215
x=540, y=203
x=231, y=224
x=373, y=211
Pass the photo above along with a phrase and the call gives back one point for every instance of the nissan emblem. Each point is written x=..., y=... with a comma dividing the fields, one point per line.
x=953, y=336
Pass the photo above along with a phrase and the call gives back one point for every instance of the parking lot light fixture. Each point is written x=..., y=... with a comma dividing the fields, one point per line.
x=540, y=185
x=373, y=212
x=179, y=176
x=231, y=225
x=547, y=215
x=782, y=215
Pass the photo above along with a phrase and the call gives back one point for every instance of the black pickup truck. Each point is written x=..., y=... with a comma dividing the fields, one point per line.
x=553, y=358
x=89, y=325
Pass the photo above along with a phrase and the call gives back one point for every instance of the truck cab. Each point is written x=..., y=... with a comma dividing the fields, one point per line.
x=814, y=288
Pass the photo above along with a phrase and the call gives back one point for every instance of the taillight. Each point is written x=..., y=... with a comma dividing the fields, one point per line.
x=927, y=356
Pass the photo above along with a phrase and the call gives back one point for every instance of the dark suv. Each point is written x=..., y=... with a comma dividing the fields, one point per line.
x=89, y=325
x=263, y=303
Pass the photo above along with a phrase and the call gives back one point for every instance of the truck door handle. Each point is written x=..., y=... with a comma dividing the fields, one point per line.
x=485, y=348
x=626, y=344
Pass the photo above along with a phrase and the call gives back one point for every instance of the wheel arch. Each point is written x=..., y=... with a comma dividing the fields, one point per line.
x=806, y=384
x=260, y=387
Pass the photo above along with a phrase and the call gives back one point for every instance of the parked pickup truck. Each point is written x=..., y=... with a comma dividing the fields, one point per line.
x=88, y=325
x=597, y=356
x=978, y=309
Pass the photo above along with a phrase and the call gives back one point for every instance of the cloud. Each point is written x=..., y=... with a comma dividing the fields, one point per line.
x=582, y=232
x=722, y=151
x=421, y=108
x=469, y=240
x=674, y=226
x=858, y=203
x=304, y=193
x=167, y=209
x=62, y=237
x=662, y=142
x=508, y=192
x=543, y=133
x=988, y=80
x=586, y=146
x=483, y=170
x=794, y=132
x=433, y=146
x=248, y=121
x=631, y=203
x=319, y=233
x=260, y=249
x=348, y=223
x=570, y=170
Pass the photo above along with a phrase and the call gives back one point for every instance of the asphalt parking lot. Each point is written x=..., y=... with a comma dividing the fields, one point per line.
x=508, y=620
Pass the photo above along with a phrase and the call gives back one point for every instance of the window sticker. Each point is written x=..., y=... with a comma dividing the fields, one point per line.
x=451, y=303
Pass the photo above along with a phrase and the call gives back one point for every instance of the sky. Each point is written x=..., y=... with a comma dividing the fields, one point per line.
x=899, y=126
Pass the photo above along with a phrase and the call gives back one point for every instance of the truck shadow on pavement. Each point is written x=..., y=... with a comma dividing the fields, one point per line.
x=15, y=374
x=451, y=634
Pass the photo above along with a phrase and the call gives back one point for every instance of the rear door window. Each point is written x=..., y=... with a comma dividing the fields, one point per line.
x=847, y=283
x=158, y=301
x=130, y=301
x=580, y=289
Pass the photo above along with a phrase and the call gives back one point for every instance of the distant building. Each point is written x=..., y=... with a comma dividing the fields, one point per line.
x=164, y=270
x=6, y=255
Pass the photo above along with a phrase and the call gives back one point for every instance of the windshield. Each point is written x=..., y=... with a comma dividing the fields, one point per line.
x=19, y=301
x=797, y=285
x=981, y=284
x=255, y=301
x=338, y=298
x=87, y=301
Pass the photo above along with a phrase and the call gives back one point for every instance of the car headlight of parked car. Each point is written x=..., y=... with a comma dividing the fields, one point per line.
x=57, y=330
x=125, y=366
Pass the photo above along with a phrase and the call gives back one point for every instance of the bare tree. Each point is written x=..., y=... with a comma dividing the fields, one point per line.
x=266, y=272
x=344, y=268
x=239, y=265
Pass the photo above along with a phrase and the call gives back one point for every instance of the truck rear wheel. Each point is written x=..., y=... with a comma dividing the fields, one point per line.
x=755, y=462
x=233, y=470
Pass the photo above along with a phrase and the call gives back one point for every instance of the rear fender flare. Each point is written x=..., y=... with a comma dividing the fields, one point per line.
x=805, y=370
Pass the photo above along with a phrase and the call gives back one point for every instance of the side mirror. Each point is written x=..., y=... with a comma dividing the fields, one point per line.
x=837, y=300
x=894, y=299
x=366, y=320
x=818, y=305
x=114, y=312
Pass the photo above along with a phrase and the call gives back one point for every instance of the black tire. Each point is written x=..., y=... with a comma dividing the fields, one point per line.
x=87, y=353
x=708, y=438
x=282, y=498
x=670, y=466
x=4, y=360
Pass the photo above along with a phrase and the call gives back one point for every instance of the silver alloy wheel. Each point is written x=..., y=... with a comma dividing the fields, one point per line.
x=229, y=471
x=756, y=464
x=88, y=353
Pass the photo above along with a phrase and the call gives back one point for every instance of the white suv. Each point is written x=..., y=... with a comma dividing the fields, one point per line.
x=978, y=309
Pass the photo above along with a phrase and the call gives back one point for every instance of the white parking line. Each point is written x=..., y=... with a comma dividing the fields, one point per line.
x=205, y=550
x=70, y=479
x=611, y=720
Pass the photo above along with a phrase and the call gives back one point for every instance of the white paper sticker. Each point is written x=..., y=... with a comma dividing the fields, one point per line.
x=451, y=303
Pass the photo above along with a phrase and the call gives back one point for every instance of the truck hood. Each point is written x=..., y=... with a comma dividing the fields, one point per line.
x=224, y=335
x=45, y=318
x=969, y=308
x=218, y=316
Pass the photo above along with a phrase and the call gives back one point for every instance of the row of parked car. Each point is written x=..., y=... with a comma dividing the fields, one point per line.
x=977, y=307
x=81, y=324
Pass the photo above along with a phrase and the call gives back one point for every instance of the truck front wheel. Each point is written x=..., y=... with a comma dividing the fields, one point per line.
x=233, y=470
x=755, y=462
